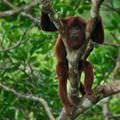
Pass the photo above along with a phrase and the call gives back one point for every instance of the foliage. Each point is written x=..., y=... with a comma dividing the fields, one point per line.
x=30, y=66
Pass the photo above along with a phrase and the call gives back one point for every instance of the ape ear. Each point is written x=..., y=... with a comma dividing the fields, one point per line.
x=98, y=33
x=46, y=24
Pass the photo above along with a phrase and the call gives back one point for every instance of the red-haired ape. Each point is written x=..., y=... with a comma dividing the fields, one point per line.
x=75, y=37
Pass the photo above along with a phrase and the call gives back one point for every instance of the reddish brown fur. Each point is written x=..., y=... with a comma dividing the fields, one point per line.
x=60, y=52
x=69, y=22
x=87, y=68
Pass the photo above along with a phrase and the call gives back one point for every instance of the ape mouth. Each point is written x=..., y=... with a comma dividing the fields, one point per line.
x=74, y=37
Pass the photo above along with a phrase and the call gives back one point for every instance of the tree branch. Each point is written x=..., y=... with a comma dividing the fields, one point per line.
x=73, y=57
x=22, y=10
x=30, y=97
x=16, y=9
x=106, y=109
x=117, y=10
x=117, y=66
x=85, y=102
x=47, y=7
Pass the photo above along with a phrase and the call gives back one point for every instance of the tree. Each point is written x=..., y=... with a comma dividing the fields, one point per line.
x=23, y=47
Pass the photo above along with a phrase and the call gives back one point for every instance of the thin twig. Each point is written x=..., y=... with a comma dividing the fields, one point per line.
x=117, y=10
x=105, y=44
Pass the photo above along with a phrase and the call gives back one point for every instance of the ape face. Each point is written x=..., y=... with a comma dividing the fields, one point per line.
x=75, y=33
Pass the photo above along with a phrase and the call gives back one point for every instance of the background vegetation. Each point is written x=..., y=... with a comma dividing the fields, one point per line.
x=27, y=62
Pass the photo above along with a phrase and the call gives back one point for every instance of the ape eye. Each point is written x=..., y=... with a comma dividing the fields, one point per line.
x=79, y=25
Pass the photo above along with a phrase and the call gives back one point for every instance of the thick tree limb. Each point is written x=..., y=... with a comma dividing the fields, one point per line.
x=86, y=102
x=73, y=58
